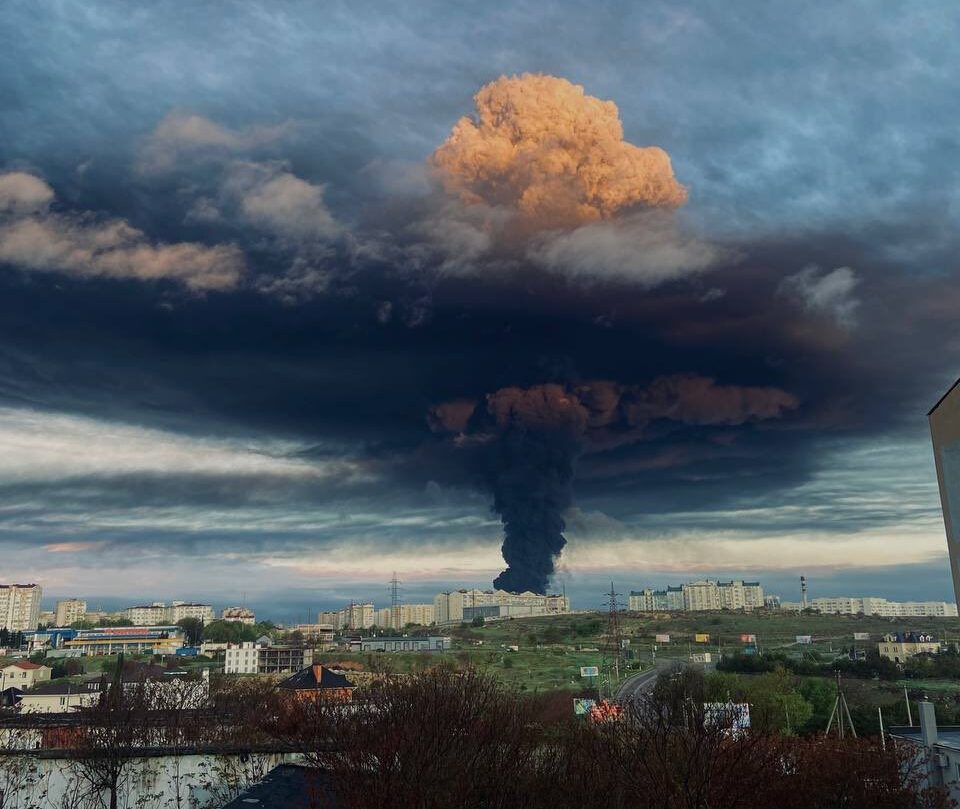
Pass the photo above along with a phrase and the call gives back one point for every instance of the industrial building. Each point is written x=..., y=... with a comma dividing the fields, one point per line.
x=20, y=606
x=159, y=640
x=699, y=596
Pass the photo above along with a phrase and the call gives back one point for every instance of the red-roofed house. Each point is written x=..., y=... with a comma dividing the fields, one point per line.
x=23, y=674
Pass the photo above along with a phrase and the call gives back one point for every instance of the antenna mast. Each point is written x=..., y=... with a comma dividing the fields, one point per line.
x=842, y=713
x=395, y=602
x=614, y=647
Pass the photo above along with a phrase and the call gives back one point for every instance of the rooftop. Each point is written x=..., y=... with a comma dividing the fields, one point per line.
x=314, y=678
x=947, y=735
x=287, y=786
x=25, y=664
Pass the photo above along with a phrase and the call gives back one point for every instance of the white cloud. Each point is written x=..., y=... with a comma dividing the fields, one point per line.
x=38, y=446
x=648, y=249
x=829, y=294
x=22, y=193
x=35, y=238
x=182, y=136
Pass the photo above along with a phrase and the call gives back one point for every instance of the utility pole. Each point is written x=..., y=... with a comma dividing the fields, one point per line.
x=907, y=700
x=614, y=633
x=842, y=713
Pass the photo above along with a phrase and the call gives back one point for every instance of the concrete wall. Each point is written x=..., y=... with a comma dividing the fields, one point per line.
x=168, y=782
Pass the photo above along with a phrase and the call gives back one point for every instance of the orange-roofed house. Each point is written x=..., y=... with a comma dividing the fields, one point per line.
x=318, y=682
x=23, y=674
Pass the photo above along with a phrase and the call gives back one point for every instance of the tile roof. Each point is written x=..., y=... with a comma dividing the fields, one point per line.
x=25, y=664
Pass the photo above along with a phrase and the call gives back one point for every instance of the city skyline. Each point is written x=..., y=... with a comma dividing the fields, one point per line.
x=284, y=326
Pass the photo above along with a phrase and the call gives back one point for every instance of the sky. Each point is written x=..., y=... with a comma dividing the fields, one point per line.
x=298, y=296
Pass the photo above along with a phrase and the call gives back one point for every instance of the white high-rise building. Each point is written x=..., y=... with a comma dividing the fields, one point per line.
x=460, y=605
x=69, y=610
x=353, y=616
x=699, y=596
x=20, y=606
x=401, y=615
x=870, y=605
x=179, y=610
x=147, y=614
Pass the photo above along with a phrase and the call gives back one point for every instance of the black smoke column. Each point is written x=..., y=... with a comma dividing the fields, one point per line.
x=532, y=487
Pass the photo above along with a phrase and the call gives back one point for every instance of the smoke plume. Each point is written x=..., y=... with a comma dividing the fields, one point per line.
x=527, y=441
x=543, y=147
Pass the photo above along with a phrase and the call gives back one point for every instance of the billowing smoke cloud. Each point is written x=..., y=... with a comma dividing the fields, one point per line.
x=556, y=155
x=527, y=441
x=34, y=237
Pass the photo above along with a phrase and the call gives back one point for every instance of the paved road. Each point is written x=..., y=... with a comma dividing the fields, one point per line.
x=638, y=684
x=643, y=683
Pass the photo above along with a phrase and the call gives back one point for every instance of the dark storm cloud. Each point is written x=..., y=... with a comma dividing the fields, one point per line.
x=817, y=146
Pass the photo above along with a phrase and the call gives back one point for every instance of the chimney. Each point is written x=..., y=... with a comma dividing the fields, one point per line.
x=317, y=672
x=928, y=723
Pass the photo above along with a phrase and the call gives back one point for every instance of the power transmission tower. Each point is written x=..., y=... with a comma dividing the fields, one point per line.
x=613, y=649
x=395, y=601
x=842, y=713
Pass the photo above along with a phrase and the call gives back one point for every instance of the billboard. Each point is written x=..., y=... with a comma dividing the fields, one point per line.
x=861, y=636
x=589, y=671
x=581, y=707
x=663, y=639
x=748, y=639
x=731, y=716
x=945, y=433
x=804, y=638
x=701, y=637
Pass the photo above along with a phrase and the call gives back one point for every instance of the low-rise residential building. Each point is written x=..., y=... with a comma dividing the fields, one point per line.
x=69, y=611
x=699, y=596
x=242, y=614
x=20, y=606
x=404, y=644
x=318, y=682
x=257, y=657
x=23, y=674
x=464, y=605
x=902, y=645
x=60, y=697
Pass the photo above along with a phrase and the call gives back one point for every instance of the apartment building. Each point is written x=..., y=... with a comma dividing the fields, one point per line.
x=870, y=605
x=69, y=611
x=699, y=596
x=460, y=605
x=256, y=657
x=353, y=616
x=178, y=610
x=401, y=615
x=146, y=614
x=20, y=606
x=242, y=614
x=159, y=613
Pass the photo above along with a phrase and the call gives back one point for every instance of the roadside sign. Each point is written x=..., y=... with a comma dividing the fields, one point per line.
x=701, y=637
x=589, y=671
x=581, y=707
x=748, y=639
x=804, y=638
x=861, y=636
x=663, y=639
